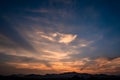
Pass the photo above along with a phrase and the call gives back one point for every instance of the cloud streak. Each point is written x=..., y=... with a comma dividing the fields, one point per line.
x=58, y=37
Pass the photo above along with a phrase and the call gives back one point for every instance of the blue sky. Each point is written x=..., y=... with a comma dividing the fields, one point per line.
x=54, y=36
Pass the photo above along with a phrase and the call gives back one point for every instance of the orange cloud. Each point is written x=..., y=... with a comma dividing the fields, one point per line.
x=100, y=65
x=50, y=46
x=53, y=55
x=23, y=65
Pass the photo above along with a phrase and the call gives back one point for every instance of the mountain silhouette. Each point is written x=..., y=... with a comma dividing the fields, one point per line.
x=62, y=76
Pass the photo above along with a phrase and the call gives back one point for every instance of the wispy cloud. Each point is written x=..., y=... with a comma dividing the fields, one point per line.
x=84, y=43
x=57, y=36
x=53, y=51
x=47, y=37
x=42, y=10
x=66, y=38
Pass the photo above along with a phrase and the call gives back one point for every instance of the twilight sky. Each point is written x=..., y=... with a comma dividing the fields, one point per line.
x=55, y=36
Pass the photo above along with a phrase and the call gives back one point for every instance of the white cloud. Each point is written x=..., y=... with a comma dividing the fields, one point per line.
x=54, y=34
x=58, y=37
x=84, y=43
x=66, y=38
x=48, y=37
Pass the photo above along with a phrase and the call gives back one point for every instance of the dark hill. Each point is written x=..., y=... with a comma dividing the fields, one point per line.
x=63, y=76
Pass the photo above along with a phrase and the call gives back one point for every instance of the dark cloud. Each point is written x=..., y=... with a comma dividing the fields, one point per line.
x=6, y=69
x=8, y=31
x=14, y=58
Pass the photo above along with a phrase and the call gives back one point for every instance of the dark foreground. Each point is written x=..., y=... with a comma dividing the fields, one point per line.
x=64, y=76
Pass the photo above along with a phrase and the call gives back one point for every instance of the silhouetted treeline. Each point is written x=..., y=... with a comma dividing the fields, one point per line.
x=64, y=76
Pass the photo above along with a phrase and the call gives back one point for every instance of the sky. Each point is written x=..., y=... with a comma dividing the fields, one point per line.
x=56, y=36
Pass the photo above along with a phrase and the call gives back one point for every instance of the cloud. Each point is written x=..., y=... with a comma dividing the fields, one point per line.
x=23, y=65
x=98, y=65
x=84, y=42
x=42, y=10
x=66, y=38
x=55, y=55
x=12, y=36
x=43, y=40
x=6, y=42
x=47, y=44
x=52, y=53
x=7, y=69
x=58, y=37
x=102, y=65
x=48, y=37
x=17, y=58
